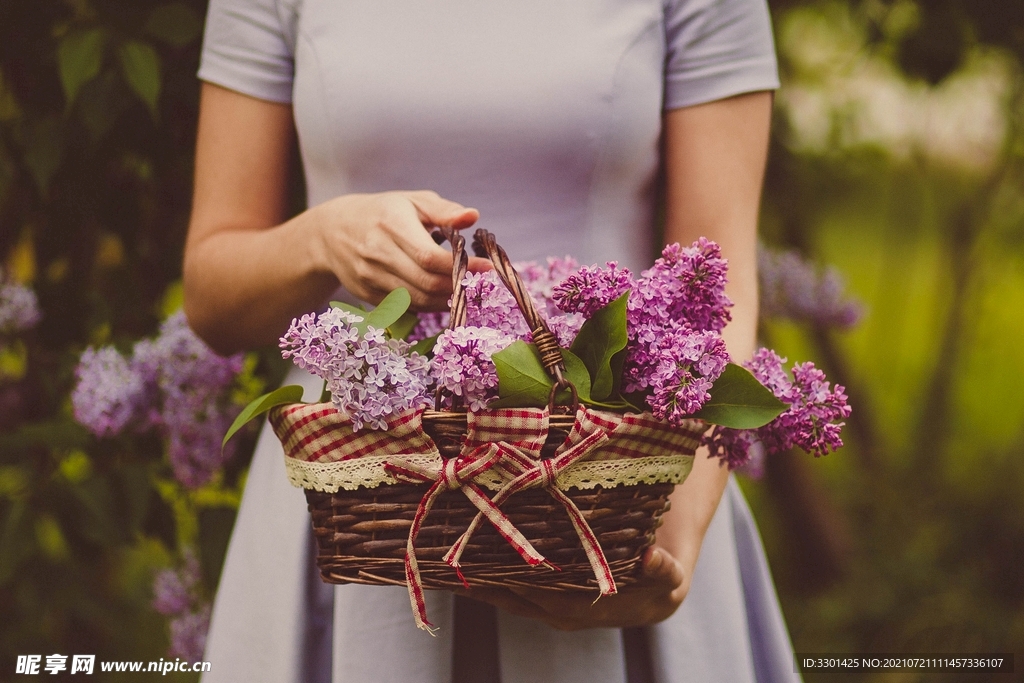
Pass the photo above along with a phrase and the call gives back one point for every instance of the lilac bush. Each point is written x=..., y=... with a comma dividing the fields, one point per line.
x=794, y=289
x=174, y=384
x=176, y=595
x=192, y=386
x=19, y=307
x=109, y=392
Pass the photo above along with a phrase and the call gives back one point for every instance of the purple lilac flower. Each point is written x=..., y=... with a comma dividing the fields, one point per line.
x=565, y=327
x=540, y=281
x=734, y=446
x=757, y=460
x=463, y=366
x=188, y=634
x=429, y=324
x=173, y=383
x=811, y=422
x=685, y=285
x=490, y=304
x=19, y=307
x=109, y=394
x=369, y=377
x=174, y=590
x=792, y=288
x=685, y=366
x=194, y=410
x=176, y=595
x=591, y=288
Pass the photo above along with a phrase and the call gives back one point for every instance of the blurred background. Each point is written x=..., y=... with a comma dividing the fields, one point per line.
x=897, y=158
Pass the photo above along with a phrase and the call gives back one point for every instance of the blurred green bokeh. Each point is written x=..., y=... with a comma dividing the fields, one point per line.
x=896, y=156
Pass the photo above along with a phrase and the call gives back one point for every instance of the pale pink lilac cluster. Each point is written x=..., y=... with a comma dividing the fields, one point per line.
x=490, y=304
x=463, y=367
x=462, y=364
x=176, y=595
x=812, y=422
x=19, y=307
x=175, y=384
x=370, y=377
x=541, y=280
x=794, y=289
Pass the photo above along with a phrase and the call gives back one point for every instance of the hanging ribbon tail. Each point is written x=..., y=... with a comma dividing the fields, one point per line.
x=412, y=569
x=591, y=546
x=453, y=474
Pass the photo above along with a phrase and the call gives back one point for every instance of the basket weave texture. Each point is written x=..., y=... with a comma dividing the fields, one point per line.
x=362, y=514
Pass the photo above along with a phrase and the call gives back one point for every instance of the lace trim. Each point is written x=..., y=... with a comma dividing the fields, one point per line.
x=369, y=472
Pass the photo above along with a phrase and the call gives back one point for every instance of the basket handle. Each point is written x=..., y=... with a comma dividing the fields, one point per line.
x=486, y=246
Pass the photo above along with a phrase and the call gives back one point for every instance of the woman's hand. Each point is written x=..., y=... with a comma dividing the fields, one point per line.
x=375, y=243
x=655, y=597
x=248, y=271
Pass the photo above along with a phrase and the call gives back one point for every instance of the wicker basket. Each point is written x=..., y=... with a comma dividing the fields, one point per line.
x=362, y=533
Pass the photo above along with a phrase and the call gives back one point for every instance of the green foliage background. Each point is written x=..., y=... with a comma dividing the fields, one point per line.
x=911, y=538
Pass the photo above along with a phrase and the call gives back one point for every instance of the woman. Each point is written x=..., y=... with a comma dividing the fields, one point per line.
x=553, y=119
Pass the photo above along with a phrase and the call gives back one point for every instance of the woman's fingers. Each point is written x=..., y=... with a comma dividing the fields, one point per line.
x=375, y=243
x=435, y=210
x=432, y=210
x=661, y=568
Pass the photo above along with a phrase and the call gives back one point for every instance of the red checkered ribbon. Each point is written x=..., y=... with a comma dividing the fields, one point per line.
x=587, y=434
x=453, y=474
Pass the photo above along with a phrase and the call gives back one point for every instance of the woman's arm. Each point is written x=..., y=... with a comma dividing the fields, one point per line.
x=247, y=273
x=714, y=160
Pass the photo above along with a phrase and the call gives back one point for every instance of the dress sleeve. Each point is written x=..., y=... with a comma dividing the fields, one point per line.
x=716, y=49
x=249, y=46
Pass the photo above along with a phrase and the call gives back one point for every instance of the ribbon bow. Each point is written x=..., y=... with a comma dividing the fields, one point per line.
x=454, y=474
x=531, y=473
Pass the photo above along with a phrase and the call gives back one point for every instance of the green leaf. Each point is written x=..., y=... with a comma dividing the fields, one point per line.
x=523, y=382
x=279, y=397
x=598, y=341
x=739, y=401
x=16, y=540
x=79, y=58
x=101, y=103
x=389, y=311
x=404, y=326
x=425, y=347
x=43, y=141
x=140, y=65
x=176, y=24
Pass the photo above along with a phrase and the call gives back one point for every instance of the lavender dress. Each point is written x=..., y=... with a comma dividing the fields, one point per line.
x=546, y=116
